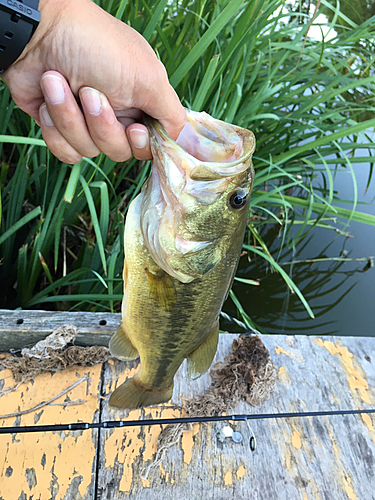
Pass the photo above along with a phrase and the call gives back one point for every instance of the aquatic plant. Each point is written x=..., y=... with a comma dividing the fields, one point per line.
x=309, y=102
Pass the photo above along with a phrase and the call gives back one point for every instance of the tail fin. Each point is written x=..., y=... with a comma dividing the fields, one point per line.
x=133, y=394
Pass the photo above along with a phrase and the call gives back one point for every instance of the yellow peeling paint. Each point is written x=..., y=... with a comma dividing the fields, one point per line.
x=31, y=463
x=296, y=440
x=228, y=479
x=280, y=350
x=162, y=470
x=120, y=378
x=356, y=381
x=341, y=474
x=135, y=447
x=124, y=447
x=349, y=490
x=284, y=376
x=296, y=355
x=241, y=472
x=333, y=440
x=187, y=442
x=367, y=420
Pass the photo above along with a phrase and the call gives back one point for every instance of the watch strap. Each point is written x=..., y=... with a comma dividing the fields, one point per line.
x=18, y=21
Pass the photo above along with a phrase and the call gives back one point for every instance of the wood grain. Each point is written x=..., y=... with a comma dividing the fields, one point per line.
x=299, y=458
x=57, y=465
x=23, y=328
x=314, y=458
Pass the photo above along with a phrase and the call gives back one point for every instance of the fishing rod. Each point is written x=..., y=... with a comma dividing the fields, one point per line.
x=113, y=424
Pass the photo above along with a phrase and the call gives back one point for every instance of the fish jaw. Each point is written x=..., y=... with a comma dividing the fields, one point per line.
x=186, y=221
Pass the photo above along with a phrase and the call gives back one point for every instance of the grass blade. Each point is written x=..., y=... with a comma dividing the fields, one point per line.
x=220, y=22
x=20, y=223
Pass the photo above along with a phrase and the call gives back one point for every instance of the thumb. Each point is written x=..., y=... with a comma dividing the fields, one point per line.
x=162, y=103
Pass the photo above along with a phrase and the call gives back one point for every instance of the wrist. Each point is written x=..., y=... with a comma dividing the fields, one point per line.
x=31, y=32
x=18, y=22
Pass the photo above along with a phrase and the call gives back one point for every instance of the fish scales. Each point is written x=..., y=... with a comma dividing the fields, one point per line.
x=183, y=239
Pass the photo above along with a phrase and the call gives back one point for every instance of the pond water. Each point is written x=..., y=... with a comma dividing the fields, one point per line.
x=341, y=294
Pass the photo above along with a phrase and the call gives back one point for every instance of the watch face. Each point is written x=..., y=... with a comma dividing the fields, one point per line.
x=18, y=22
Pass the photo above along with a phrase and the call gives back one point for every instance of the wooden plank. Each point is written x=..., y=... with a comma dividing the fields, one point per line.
x=22, y=328
x=53, y=465
x=300, y=458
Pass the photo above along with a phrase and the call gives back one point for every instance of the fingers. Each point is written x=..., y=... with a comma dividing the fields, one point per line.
x=63, y=124
x=71, y=134
x=139, y=140
x=107, y=128
x=57, y=144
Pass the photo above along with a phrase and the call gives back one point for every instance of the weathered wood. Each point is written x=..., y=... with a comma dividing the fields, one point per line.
x=54, y=465
x=22, y=328
x=300, y=458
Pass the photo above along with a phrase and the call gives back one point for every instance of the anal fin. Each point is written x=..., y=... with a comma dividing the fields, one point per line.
x=199, y=361
x=121, y=347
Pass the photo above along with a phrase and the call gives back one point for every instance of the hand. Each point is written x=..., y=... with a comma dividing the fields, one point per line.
x=80, y=52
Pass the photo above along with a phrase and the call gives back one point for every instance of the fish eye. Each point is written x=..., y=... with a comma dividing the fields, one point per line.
x=237, y=199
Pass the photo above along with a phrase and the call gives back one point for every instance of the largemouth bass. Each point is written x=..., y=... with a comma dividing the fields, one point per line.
x=183, y=239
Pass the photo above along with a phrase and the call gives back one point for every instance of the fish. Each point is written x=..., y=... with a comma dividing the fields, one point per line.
x=183, y=239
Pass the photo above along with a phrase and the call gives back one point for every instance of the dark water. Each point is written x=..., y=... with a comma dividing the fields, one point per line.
x=341, y=294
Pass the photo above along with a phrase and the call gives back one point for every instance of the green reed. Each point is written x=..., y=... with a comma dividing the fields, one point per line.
x=310, y=104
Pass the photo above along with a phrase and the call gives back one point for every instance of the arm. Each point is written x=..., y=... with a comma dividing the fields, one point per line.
x=80, y=52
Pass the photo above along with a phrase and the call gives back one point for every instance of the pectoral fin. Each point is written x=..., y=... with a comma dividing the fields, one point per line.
x=199, y=361
x=161, y=288
x=194, y=265
x=121, y=347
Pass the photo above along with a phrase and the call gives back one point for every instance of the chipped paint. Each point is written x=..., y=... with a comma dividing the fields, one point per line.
x=119, y=379
x=43, y=461
x=138, y=445
x=349, y=490
x=280, y=350
x=335, y=447
x=368, y=422
x=357, y=382
x=296, y=355
x=358, y=385
x=341, y=474
x=296, y=440
x=146, y=483
x=228, y=478
x=316, y=463
x=241, y=472
x=124, y=448
x=284, y=376
x=187, y=442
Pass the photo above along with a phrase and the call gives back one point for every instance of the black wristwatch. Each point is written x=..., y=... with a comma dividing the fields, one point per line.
x=18, y=22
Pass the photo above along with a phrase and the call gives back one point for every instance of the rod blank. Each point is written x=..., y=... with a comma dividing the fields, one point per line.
x=114, y=424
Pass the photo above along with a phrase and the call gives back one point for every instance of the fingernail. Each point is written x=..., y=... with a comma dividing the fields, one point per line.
x=53, y=88
x=91, y=102
x=44, y=116
x=138, y=138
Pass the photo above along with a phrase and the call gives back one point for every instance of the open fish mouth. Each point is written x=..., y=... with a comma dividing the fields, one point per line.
x=206, y=150
x=189, y=178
